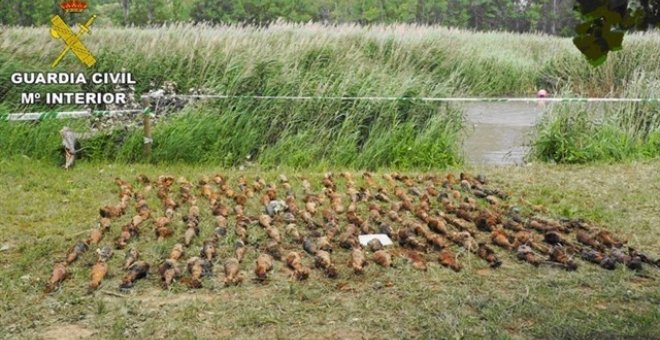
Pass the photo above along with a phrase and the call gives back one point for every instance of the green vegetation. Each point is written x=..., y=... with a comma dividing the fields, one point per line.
x=554, y=17
x=310, y=60
x=602, y=25
x=45, y=210
x=572, y=136
x=580, y=133
x=233, y=137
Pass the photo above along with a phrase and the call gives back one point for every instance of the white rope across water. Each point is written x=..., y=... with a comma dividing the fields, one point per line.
x=424, y=99
x=31, y=116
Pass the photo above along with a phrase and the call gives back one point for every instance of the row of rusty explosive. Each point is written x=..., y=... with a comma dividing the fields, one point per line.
x=426, y=215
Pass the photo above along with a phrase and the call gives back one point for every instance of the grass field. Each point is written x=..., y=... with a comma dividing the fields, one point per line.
x=45, y=209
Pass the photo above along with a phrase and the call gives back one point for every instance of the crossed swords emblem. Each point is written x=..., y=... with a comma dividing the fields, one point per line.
x=60, y=30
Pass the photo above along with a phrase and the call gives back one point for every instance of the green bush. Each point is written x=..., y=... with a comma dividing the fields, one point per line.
x=580, y=134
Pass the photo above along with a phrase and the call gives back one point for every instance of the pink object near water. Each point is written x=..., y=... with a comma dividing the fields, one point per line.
x=542, y=93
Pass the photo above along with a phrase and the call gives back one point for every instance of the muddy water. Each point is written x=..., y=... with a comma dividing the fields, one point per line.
x=498, y=133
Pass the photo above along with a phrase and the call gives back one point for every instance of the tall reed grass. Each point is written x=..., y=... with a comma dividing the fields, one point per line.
x=317, y=60
x=312, y=59
x=572, y=133
x=358, y=135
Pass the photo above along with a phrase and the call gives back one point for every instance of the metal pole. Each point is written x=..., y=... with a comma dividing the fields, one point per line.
x=147, y=134
x=146, y=123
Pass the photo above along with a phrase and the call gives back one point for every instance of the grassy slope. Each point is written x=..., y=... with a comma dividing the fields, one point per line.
x=44, y=210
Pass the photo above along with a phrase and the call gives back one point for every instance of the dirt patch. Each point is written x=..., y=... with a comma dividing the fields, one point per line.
x=160, y=301
x=66, y=332
x=640, y=281
x=484, y=272
x=155, y=299
x=344, y=334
